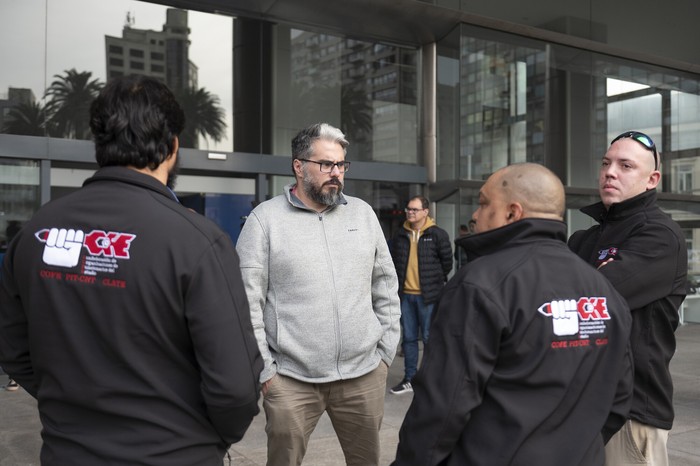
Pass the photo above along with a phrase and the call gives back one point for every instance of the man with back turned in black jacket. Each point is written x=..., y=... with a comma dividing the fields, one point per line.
x=123, y=312
x=529, y=360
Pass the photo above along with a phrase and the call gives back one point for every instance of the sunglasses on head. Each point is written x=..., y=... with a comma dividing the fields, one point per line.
x=644, y=140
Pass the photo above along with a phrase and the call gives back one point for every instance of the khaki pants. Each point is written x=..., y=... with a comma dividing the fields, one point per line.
x=355, y=407
x=637, y=443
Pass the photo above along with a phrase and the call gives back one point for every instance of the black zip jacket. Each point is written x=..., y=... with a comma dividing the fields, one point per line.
x=135, y=335
x=434, y=260
x=528, y=359
x=649, y=268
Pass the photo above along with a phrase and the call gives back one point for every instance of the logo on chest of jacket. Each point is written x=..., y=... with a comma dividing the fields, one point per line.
x=608, y=253
x=584, y=317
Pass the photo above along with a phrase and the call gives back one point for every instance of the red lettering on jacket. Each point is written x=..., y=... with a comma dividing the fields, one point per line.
x=109, y=244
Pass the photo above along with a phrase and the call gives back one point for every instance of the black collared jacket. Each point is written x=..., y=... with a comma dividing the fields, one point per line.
x=649, y=268
x=528, y=361
x=124, y=314
x=434, y=260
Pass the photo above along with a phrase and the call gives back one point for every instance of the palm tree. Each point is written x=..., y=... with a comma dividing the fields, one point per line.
x=28, y=119
x=70, y=98
x=203, y=116
x=355, y=110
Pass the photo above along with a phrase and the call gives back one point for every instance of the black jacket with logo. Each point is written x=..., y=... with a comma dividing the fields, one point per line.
x=434, y=260
x=649, y=268
x=124, y=314
x=528, y=359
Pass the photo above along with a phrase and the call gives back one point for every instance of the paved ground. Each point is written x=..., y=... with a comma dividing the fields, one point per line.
x=20, y=442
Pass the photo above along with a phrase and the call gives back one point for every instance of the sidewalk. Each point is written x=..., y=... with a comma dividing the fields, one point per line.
x=20, y=442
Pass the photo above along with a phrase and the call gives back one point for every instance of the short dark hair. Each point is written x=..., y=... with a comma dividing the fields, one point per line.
x=301, y=144
x=424, y=202
x=134, y=122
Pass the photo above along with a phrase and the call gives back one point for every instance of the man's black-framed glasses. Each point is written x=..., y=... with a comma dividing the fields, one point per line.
x=327, y=167
x=410, y=210
x=644, y=140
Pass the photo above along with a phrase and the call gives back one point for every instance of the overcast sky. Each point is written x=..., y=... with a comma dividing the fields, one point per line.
x=73, y=36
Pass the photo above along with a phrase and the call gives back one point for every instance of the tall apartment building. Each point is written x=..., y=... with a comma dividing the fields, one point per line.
x=14, y=97
x=161, y=54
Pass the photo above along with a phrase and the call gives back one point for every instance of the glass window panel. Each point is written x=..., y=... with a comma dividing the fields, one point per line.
x=638, y=113
x=22, y=75
x=488, y=97
x=49, y=79
x=367, y=89
x=685, y=119
x=20, y=196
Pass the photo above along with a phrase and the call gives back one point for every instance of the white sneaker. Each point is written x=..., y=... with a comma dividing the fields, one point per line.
x=403, y=387
x=11, y=386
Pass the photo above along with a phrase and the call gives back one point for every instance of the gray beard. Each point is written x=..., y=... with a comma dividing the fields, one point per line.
x=316, y=192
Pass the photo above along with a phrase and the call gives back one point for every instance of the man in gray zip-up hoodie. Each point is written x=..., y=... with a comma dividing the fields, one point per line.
x=324, y=305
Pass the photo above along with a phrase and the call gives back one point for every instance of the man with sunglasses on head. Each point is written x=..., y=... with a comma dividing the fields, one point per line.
x=324, y=305
x=642, y=251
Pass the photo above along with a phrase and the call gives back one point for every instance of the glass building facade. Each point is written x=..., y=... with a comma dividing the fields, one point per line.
x=434, y=96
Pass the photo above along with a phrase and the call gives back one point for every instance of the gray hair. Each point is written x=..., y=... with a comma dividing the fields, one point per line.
x=302, y=142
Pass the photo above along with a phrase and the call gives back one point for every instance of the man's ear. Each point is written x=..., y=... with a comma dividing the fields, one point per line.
x=515, y=212
x=176, y=147
x=171, y=159
x=296, y=166
x=654, y=179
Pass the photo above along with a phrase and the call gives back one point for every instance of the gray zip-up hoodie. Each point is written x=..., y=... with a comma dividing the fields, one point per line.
x=322, y=289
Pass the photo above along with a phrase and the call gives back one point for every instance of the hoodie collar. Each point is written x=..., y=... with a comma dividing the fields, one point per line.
x=429, y=222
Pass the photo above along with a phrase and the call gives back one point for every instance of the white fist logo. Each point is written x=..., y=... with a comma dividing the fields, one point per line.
x=564, y=317
x=63, y=247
